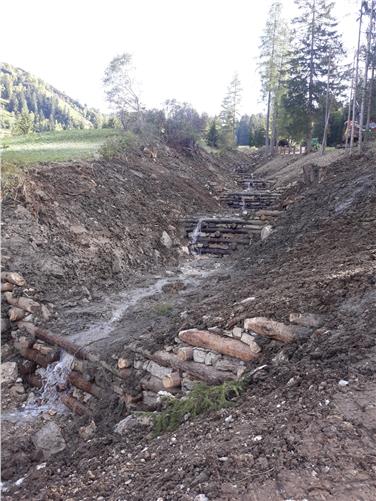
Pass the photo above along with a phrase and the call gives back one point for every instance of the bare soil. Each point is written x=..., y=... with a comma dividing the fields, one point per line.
x=306, y=426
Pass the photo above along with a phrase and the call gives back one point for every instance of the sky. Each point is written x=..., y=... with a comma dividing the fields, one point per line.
x=183, y=49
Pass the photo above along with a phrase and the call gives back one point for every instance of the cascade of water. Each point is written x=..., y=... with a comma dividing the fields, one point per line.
x=53, y=375
x=196, y=231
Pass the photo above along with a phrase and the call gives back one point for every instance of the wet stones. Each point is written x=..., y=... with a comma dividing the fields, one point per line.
x=49, y=440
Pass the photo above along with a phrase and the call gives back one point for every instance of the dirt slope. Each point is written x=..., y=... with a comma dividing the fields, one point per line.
x=93, y=223
x=296, y=433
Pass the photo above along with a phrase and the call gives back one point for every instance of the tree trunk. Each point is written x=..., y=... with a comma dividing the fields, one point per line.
x=365, y=81
x=370, y=90
x=310, y=84
x=275, y=330
x=7, y=287
x=226, y=346
x=347, y=132
x=327, y=109
x=172, y=380
x=77, y=380
x=75, y=405
x=356, y=79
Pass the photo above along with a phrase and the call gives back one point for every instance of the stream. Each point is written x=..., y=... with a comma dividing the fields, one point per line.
x=111, y=311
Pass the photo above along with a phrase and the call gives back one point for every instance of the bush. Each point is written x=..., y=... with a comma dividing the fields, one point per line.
x=116, y=147
x=202, y=398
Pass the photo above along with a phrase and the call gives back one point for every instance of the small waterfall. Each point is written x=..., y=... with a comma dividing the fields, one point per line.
x=54, y=374
x=195, y=236
x=248, y=185
x=197, y=231
x=243, y=206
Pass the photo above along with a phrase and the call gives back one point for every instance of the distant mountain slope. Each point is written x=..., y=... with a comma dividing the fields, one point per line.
x=21, y=92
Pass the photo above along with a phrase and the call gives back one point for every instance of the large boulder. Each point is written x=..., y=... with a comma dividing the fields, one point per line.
x=49, y=440
x=8, y=373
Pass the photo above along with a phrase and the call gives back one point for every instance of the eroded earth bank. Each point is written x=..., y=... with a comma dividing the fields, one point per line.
x=255, y=277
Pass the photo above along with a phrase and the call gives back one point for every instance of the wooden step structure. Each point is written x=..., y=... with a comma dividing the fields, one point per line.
x=252, y=200
x=220, y=235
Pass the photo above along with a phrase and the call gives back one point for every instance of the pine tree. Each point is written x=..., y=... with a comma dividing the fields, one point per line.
x=230, y=111
x=317, y=49
x=212, y=138
x=273, y=55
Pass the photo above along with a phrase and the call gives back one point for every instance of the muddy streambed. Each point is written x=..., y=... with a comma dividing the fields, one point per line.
x=150, y=307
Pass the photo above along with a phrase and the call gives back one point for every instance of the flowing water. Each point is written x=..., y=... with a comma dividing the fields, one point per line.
x=47, y=398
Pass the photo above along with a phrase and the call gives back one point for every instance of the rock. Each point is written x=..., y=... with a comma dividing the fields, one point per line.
x=343, y=382
x=250, y=341
x=88, y=432
x=237, y=332
x=52, y=267
x=199, y=355
x=8, y=372
x=124, y=363
x=157, y=370
x=266, y=231
x=280, y=358
x=211, y=358
x=17, y=389
x=49, y=440
x=166, y=240
x=201, y=497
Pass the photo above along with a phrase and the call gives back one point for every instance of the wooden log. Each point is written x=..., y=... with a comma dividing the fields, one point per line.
x=185, y=353
x=25, y=303
x=49, y=351
x=13, y=277
x=33, y=380
x=7, y=287
x=214, y=342
x=77, y=380
x=16, y=314
x=198, y=371
x=75, y=405
x=275, y=330
x=173, y=380
x=152, y=383
x=267, y=212
x=34, y=356
x=23, y=342
x=307, y=319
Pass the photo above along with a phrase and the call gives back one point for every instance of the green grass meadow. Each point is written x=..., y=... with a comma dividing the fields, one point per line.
x=19, y=152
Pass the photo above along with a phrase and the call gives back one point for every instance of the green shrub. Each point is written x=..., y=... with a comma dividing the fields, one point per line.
x=163, y=309
x=116, y=147
x=201, y=399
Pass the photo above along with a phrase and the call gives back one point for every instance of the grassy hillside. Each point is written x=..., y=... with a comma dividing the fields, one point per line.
x=21, y=92
x=19, y=152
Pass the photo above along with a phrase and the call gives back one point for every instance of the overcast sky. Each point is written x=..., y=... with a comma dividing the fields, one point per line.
x=188, y=50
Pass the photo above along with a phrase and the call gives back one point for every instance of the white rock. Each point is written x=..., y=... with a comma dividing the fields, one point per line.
x=250, y=341
x=343, y=382
x=248, y=300
x=157, y=370
x=201, y=497
x=257, y=438
x=237, y=332
x=199, y=355
x=129, y=423
x=211, y=358
x=8, y=372
x=266, y=231
x=166, y=240
x=49, y=440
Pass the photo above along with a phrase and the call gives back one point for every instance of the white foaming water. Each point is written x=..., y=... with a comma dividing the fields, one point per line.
x=54, y=374
x=48, y=398
x=197, y=231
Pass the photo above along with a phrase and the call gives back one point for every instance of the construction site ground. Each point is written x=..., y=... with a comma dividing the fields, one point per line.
x=85, y=235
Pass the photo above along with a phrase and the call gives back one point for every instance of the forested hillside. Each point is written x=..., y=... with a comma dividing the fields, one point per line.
x=31, y=105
